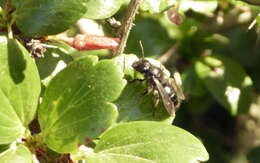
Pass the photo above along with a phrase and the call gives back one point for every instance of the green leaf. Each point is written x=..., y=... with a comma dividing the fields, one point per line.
x=153, y=35
x=16, y=154
x=258, y=21
x=206, y=7
x=227, y=81
x=156, y=6
x=54, y=60
x=192, y=85
x=145, y=142
x=133, y=105
x=77, y=102
x=19, y=90
x=199, y=104
x=101, y=9
x=253, y=155
x=4, y=147
x=46, y=17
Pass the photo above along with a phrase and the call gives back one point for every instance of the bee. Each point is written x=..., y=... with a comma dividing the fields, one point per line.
x=162, y=85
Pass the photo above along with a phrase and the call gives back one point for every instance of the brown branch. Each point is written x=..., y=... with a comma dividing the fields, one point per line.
x=229, y=20
x=127, y=25
x=252, y=2
x=7, y=5
x=169, y=54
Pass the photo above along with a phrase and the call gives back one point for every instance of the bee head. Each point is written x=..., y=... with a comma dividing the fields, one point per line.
x=142, y=66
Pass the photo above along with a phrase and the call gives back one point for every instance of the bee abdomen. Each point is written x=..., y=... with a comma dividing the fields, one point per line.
x=174, y=99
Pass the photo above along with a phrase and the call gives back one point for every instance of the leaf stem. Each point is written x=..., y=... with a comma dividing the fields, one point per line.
x=127, y=24
x=10, y=32
x=8, y=20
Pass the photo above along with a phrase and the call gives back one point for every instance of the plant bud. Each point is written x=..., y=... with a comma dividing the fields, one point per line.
x=174, y=16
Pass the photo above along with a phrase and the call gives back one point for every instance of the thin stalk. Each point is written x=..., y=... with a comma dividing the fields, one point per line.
x=127, y=25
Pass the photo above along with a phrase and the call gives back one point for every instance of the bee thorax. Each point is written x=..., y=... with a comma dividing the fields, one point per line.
x=168, y=89
x=155, y=72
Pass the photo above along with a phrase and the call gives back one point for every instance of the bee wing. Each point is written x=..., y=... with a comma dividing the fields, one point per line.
x=168, y=104
x=176, y=83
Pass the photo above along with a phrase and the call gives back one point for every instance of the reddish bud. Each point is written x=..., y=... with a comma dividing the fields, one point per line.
x=88, y=41
x=174, y=16
x=94, y=42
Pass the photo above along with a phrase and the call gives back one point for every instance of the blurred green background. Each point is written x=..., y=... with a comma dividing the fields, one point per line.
x=216, y=48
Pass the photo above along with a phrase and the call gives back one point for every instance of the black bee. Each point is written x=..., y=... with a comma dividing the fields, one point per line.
x=161, y=84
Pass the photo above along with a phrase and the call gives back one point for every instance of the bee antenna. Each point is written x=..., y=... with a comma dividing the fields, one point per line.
x=142, y=48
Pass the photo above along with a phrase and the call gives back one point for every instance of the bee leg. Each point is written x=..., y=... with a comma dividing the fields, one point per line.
x=156, y=97
x=136, y=80
x=149, y=89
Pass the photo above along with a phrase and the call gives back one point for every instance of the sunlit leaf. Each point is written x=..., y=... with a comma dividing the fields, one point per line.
x=227, y=82
x=101, y=9
x=201, y=6
x=77, y=102
x=145, y=142
x=46, y=17
x=19, y=90
x=156, y=6
x=16, y=154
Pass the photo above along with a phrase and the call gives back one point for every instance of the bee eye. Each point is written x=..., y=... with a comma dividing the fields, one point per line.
x=146, y=67
x=134, y=65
